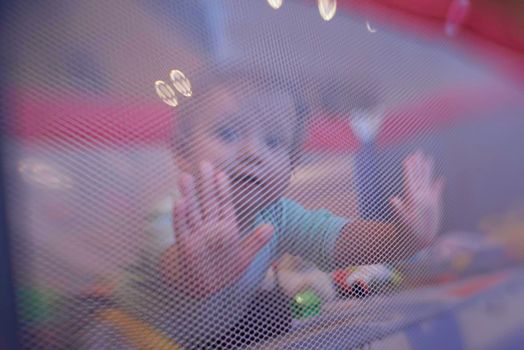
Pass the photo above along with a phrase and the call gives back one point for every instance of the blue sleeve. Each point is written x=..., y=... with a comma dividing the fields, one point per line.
x=310, y=234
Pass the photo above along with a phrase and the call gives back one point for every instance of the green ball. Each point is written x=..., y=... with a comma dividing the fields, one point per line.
x=35, y=304
x=306, y=304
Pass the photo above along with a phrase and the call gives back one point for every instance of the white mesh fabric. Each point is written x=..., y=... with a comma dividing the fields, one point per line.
x=312, y=122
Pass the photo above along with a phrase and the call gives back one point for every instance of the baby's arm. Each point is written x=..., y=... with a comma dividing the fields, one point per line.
x=417, y=221
x=209, y=254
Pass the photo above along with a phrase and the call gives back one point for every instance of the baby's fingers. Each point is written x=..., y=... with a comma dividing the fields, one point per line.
x=429, y=165
x=437, y=188
x=179, y=219
x=226, y=199
x=411, y=172
x=192, y=210
x=209, y=193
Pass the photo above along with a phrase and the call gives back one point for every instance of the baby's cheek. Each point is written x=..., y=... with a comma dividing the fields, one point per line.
x=280, y=175
x=215, y=153
x=281, y=165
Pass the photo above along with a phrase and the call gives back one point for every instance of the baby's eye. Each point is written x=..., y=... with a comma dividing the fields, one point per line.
x=274, y=141
x=227, y=133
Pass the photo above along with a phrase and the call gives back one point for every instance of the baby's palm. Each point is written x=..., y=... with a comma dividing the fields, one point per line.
x=211, y=252
x=420, y=207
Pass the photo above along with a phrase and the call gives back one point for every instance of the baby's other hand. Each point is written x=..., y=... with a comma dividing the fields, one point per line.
x=420, y=206
x=209, y=252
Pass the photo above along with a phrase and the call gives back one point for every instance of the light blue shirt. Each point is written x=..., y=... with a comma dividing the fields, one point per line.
x=310, y=234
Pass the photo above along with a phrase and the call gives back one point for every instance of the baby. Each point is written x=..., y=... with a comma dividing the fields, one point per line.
x=237, y=143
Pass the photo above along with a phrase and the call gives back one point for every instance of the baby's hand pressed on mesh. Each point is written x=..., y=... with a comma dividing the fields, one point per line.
x=420, y=206
x=211, y=252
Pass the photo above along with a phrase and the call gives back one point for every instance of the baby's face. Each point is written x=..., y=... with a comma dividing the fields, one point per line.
x=250, y=138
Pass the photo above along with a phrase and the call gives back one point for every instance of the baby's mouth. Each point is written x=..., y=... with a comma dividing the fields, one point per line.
x=247, y=179
x=248, y=192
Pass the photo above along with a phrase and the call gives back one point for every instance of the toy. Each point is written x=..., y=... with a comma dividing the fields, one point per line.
x=306, y=304
x=36, y=305
x=295, y=276
x=362, y=280
x=456, y=254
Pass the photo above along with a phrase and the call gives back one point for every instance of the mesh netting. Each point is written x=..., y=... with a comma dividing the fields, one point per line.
x=266, y=174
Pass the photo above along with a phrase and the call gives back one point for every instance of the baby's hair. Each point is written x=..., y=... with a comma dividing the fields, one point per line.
x=239, y=81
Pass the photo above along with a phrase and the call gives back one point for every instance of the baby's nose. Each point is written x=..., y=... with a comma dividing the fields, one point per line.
x=252, y=152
